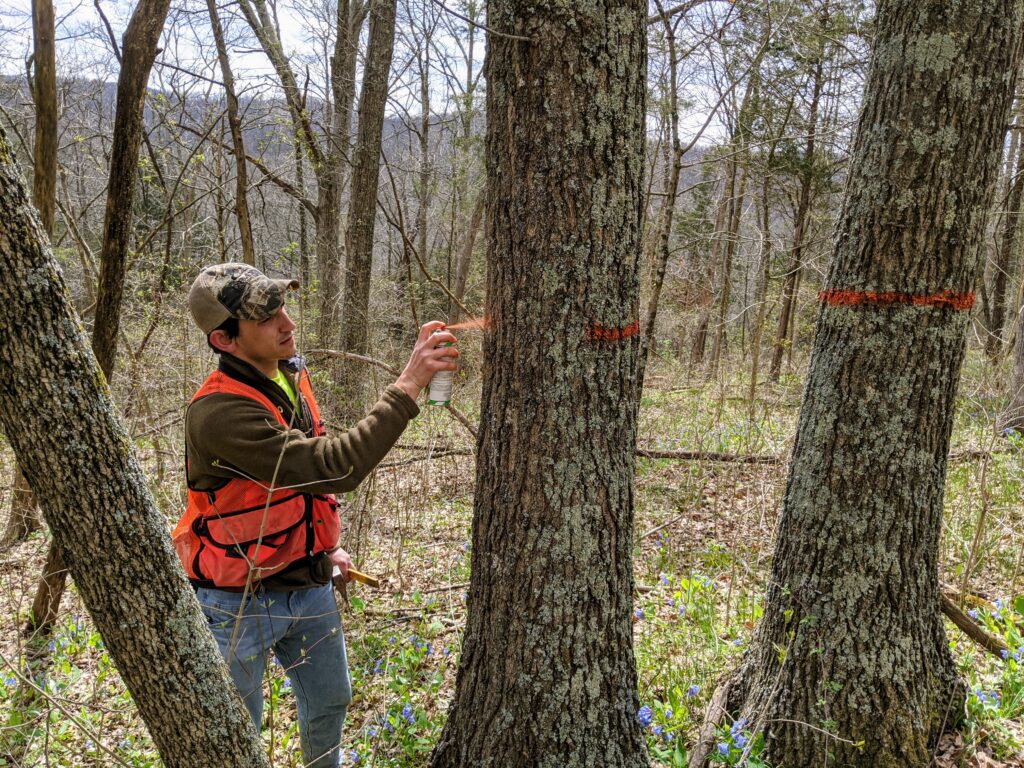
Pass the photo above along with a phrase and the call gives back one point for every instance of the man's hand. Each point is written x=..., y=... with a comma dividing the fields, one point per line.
x=428, y=358
x=343, y=560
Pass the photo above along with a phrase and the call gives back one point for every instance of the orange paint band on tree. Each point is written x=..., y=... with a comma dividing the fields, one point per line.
x=943, y=299
x=599, y=332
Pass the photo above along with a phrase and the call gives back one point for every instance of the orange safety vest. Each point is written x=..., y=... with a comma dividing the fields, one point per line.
x=246, y=525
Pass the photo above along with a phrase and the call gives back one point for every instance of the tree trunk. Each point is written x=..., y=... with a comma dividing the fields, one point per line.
x=363, y=199
x=547, y=676
x=349, y=19
x=137, y=55
x=465, y=257
x=78, y=459
x=235, y=124
x=850, y=664
x=803, y=207
x=674, y=163
x=23, y=519
x=138, y=50
x=1006, y=251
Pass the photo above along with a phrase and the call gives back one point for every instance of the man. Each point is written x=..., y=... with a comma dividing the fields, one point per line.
x=259, y=539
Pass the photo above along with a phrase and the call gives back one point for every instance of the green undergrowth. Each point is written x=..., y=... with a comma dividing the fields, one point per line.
x=703, y=542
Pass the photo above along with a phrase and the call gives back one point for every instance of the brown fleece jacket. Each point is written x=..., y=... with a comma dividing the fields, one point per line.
x=228, y=436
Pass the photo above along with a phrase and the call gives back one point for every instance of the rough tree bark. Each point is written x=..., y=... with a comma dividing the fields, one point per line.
x=363, y=198
x=852, y=647
x=547, y=676
x=23, y=519
x=137, y=55
x=78, y=460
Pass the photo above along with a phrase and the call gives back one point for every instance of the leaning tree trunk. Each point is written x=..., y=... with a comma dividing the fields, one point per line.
x=547, y=676
x=23, y=519
x=137, y=56
x=78, y=459
x=363, y=198
x=851, y=665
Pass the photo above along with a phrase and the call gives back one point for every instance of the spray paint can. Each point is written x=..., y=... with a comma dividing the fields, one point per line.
x=440, y=392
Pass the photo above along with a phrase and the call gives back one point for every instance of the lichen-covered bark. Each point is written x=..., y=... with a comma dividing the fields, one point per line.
x=852, y=647
x=547, y=676
x=57, y=414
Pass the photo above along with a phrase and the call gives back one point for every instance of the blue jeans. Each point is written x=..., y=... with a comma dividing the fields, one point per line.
x=304, y=630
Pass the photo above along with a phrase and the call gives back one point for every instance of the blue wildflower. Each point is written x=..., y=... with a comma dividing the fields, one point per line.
x=668, y=713
x=9, y=681
x=644, y=716
x=639, y=613
x=692, y=691
x=973, y=613
x=287, y=685
x=355, y=757
x=407, y=714
x=664, y=579
x=1005, y=654
x=371, y=732
x=739, y=741
x=658, y=730
x=723, y=748
x=430, y=649
x=378, y=667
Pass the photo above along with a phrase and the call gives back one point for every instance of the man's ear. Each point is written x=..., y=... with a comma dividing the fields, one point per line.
x=222, y=341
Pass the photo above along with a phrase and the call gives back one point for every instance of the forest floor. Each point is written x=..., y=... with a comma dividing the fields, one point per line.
x=703, y=541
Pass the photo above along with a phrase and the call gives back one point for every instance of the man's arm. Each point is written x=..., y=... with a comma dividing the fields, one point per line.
x=230, y=436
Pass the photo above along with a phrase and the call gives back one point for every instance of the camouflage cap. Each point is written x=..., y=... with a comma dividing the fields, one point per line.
x=235, y=290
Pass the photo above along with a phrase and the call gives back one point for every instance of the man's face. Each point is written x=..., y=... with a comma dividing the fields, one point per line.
x=262, y=343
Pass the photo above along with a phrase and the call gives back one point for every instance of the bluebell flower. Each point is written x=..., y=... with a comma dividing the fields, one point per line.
x=1005, y=654
x=639, y=613
x=9, y=681
x=738, y=642
x=287, y=685
x=430, y=650
x=378, y=667
x=664, y=579
x=392, y=640
x=371, y=732
x=973, y=613
x=447, y=651
x=657, y=730
x=355, y=757
x=669, y=736
x=692, y=691
x=739, y=741
x=644, y=716
x=668, y=713
x=723, y=748
x=89, y=744
x=407, y=714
